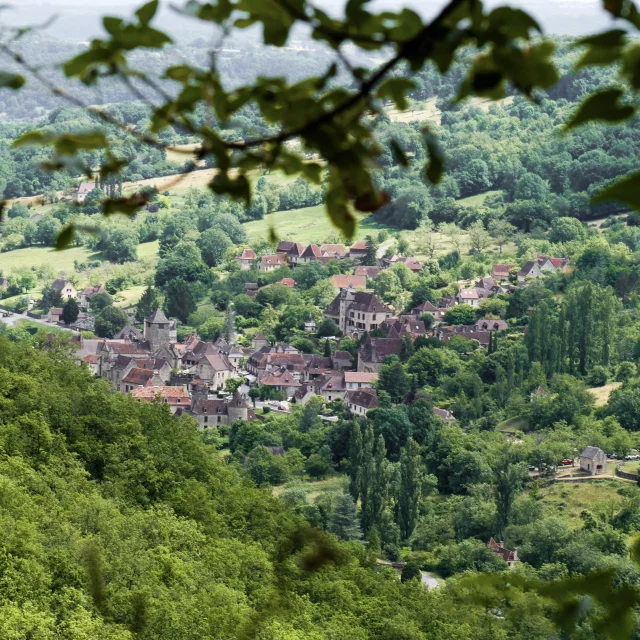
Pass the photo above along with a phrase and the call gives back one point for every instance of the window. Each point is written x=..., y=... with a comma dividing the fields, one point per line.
x=206, y=419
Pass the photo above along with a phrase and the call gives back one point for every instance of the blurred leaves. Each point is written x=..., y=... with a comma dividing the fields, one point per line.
x=11, y=80
x=603, y=106
x=332, y=121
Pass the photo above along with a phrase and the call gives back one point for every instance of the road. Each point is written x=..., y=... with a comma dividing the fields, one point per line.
x=382, y=249
x=429, y=581
x=11, y=321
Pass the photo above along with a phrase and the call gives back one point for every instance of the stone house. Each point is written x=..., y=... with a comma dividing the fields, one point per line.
x=331, y=387
x=55, y=315
x=531, y=269
x=137, y=377
x=84, y=189
x=360, y=401
x=358, y=250
x=214, y=412
x=311, y=253
x=269, y=263
x=281, y=380
x=510, y=557
x=176, y=397
x=214, y=368
x=357, y=312
x=84, y=297
x=258, y=341
x=359, y=380
x=246, y=259
x=310, y=325
x=500, y=272
x=348, y=282
x=250, y=289
x=468, y=296
x=65, y=287
x=370, y=273
x=334, y=251
x=342, y=360
x=373, y=352
x=593, y=460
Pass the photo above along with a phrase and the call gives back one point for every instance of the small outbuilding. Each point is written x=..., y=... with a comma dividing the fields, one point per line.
x=593, y=460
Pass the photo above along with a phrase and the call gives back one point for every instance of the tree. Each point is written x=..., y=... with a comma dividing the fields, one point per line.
x=373, y=480
x=47, y=230
x=371, y=257
x=343, y=522
x=214, y=244
x=179, y=301
x=394, y=380
x=460, y=314
x=453, y=232
x=355, y=460
x=410, y=571
x=317, y=466
x=120, y=244
x=327, y=328
x=70, y=311
x=99, y=301
x=479, y=238
x=406, y=347
x=509, y=479
x=183, y=261
x=409, y=488
x=501, y=231
x=109, y=321
x=229, y=330
x=149, y=301
x=51, y=298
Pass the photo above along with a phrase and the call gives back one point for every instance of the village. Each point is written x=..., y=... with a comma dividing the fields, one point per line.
x=191, y=376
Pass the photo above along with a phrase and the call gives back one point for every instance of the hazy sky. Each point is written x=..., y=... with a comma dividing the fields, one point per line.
x=82, y=16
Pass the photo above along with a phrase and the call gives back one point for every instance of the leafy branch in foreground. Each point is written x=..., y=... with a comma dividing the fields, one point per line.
x=331, y=120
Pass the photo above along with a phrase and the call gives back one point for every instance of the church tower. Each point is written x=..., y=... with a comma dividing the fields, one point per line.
x=157, y=330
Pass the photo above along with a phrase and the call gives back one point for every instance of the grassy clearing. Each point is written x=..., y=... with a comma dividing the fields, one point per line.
x=485, y=103
x=425, y=111
x=63, y=261
x=310, y=224
x=519, y=423
x=129, y=297
x=181, y=153
x=38, y=256
x=568, y=500
x=313, y=488
x=34, y=327
x=477, y=200
x=602, y=393
x=631, y=466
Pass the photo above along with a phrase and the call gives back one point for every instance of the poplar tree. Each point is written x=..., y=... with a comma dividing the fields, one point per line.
x=355, y=460
x=409, y=488
x=373, y=480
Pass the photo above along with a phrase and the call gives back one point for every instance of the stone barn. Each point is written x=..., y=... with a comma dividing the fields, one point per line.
x=593, y=460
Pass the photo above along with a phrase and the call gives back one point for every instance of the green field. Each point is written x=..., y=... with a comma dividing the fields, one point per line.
x=310, y=224
x=61, y=261
x=313, y=488
x=512, y=425
x=39, y=256
x=477, y=200
x=569, y=499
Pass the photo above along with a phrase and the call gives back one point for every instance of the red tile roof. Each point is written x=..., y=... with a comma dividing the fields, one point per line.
x=173, y=395
x=348, y=282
